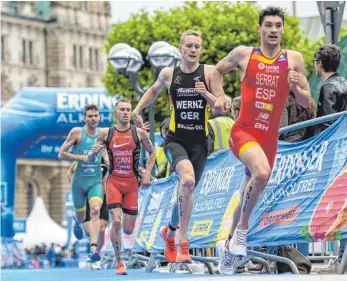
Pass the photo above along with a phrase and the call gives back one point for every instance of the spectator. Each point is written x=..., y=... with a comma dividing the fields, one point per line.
x=333, y=93
x=52, y=255
x=294, y=113
x=163, y=165
x=219, y=127
x=236, y=107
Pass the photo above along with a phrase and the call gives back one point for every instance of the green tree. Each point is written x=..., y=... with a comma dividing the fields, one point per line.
x=224, y=26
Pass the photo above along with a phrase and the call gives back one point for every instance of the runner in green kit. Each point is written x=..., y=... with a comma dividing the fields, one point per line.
x=87, y=179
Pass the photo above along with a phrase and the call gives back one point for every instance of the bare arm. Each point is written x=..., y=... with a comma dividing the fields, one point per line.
x=297, y=80
x=227, y=64
x=106, y=158
x=200, y=86
x=71, y=171
x=100, y=142
x=147, y=144
x=164, y=80
x=72, y=139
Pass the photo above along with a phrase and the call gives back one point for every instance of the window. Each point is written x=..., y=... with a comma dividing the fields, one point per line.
x=30, y=197
x=74, y=56
x=91, y=58
x=81, y=56
x=2, y=48
x=96, y=58
x=31, y=61
x=13, y=6
x=24, y=57
x=27, y=51
x=84, y=6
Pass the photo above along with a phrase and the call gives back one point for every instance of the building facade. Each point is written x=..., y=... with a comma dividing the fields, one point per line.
x=50, y=44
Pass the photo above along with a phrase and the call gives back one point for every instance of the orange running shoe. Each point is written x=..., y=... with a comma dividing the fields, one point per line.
x=170, y=252
x=183, y=253
x=120, y=269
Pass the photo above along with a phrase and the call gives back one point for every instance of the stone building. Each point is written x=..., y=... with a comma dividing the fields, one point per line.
x=50, y=44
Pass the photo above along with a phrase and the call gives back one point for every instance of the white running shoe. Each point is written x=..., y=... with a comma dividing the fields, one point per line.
x=95, y=265
x=227, y=263
x=237, y=245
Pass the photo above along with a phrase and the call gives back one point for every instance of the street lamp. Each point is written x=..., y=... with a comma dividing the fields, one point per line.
x=127, y=61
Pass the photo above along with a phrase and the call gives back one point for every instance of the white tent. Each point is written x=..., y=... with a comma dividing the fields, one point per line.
x=42, y=229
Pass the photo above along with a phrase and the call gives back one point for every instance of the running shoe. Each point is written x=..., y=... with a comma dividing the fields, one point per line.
x=183, y=255
x=170, y=251
x=120, y=269
x=237, y=245
x=77, y=229
x=93, y=256
x=95, y=265
x=227, y=263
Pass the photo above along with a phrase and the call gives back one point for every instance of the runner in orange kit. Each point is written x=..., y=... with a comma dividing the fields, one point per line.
x=267, y=73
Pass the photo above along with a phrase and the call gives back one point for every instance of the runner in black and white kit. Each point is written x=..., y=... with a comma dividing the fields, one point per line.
x=186, y=142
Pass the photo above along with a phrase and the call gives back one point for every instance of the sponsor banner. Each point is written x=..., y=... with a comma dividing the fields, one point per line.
x=44, y=116
x=305, y=199
x=69, y=211
x=129, y=241
x=155, y=214
x=12, y=253
x=20, y=225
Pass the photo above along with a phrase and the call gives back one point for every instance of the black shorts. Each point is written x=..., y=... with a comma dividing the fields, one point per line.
x=176, y=151
x=103, y=211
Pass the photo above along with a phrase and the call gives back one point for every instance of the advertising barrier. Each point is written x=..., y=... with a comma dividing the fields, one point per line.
x=305, y=199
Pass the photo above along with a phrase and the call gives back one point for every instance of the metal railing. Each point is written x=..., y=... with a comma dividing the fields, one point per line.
x=312, y=122
x=258, y=257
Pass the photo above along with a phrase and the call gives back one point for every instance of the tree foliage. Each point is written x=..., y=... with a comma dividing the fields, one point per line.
x=224, y=25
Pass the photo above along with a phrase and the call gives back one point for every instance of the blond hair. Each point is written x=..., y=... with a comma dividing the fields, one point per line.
x=190, y=32
x=122, y=100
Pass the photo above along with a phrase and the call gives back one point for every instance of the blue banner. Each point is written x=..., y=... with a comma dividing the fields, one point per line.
x=305, y=199
x=34, y=124
x=12, y=253
x=69, y=210
x=34, y=113
x=20, y=225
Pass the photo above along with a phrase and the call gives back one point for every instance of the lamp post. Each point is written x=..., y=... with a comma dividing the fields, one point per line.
x=127, y=61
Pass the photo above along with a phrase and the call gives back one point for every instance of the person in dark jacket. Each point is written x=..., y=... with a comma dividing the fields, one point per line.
x=333, y=93
x=294, y=113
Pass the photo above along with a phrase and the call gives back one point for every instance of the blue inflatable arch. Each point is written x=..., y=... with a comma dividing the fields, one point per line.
x=36, y=112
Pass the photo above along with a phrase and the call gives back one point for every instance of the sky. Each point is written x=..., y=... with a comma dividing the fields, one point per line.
x=121, y=10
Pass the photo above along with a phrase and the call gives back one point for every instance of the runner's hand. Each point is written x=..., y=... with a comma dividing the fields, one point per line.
x=146, y=126
x=220, y=105
x=138, y=121
x=146, y=178
x=200, y=87
x=97, y=147
x=293, y=78
x=84, y=158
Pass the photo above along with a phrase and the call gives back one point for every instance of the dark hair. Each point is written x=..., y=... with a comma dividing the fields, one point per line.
x=271, y=11
x=330, y=57
x=236, y=103
x=90, y=107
